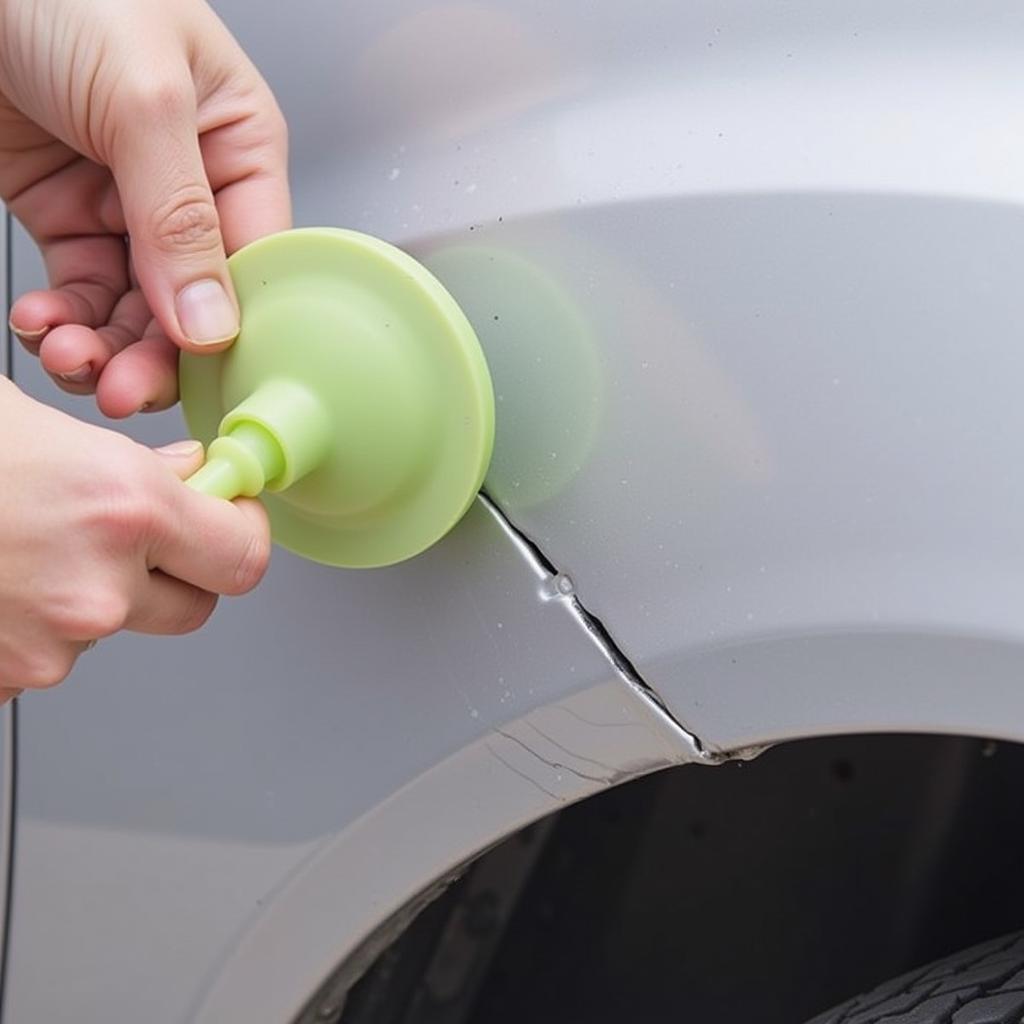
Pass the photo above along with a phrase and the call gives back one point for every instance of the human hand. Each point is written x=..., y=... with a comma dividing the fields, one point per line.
x=98, y=534
x=138, y=120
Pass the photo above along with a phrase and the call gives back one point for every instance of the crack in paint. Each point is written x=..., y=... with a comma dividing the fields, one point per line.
x=601, y=636
x=528, y=778
x=557, y=765
x=566, y=750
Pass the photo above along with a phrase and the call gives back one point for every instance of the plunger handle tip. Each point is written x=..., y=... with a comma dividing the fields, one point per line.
x=217, y=477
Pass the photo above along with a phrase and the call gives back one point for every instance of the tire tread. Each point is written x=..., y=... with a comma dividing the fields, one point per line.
x=980, y=985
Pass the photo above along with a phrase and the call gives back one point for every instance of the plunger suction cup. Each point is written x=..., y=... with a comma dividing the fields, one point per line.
x=356, y=399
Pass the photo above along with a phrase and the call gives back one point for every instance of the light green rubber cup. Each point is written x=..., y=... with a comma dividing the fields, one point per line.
x=356, y=400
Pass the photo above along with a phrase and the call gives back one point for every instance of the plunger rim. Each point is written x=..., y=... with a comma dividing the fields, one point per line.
x=461, y=459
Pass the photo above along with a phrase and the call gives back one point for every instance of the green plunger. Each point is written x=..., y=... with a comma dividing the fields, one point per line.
x=356, y=400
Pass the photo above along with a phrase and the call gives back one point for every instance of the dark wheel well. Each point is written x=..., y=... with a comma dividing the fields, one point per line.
x=768, y=890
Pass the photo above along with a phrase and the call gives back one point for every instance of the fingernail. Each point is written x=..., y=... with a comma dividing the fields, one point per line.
x=206, y=314
x=181, y=449
x=27, y=335
x=76, y=376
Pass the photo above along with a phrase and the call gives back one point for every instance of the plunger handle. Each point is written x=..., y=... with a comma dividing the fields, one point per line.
x=276, y=436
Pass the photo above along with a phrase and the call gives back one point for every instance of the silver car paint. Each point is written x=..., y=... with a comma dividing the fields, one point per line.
x=747, y=276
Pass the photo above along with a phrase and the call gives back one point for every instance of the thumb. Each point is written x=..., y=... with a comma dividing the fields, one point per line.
x=174, y=230
x=183, y=458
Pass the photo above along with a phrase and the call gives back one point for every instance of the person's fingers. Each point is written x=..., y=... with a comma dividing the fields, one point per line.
x=246, y=153
x=183, y=458
x=69, y=354
x=168, y=606
x=78, y=199
x=164, y=604
x=75, y=216
x=42, y=663
x=75, y=355
x=88, y=276
x=220, y=546
x=177, y=250
x=141, y=378
x=253, y=207
x=8, y=693
x=247, y=166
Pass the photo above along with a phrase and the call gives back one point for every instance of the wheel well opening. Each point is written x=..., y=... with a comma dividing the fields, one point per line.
x=766, y=890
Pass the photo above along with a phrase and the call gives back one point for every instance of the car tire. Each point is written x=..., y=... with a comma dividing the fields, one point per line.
x=980, y=985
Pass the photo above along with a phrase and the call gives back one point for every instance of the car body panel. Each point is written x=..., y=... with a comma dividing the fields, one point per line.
x=800, y=512
x=173, y=786
x=778, y=250
x=746, y=279
x=554, y=755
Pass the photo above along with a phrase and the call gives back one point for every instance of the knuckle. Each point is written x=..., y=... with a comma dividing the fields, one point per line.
x=119, y=519
x=105, y=615
x=187, y=222
x=158, y=97
x=87, y=613
x=45, y=670
x=130, y=517
x=251, y=565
